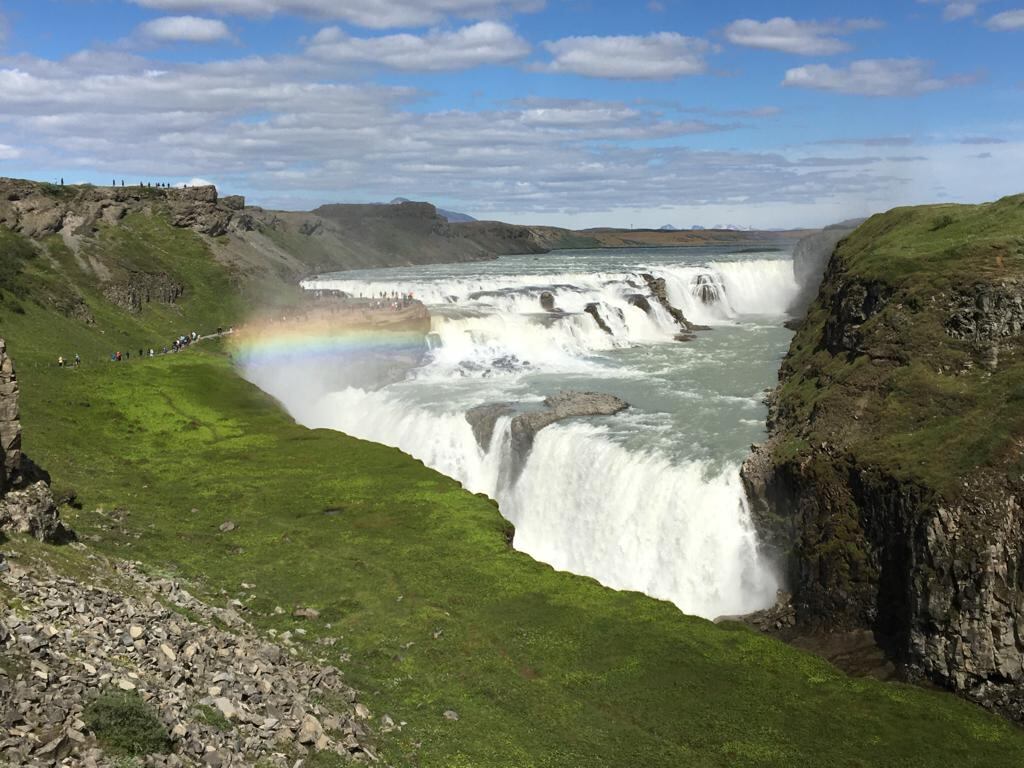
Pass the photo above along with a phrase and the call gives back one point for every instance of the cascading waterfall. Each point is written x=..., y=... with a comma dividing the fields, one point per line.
x=649, y=500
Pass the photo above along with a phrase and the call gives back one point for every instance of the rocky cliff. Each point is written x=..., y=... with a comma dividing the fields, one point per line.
x=26, y=503
x=10, y=425
x=890, y=487
x=39, y=210
x=257, y=246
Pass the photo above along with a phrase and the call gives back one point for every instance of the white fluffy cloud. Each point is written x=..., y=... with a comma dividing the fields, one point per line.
x=273, y=129
x=807, y=38
x=196, y=182
x=286, y=133
x=1007, y=21
x=187, y=29
x=954, y=10
x=486, y=42
x=660, y=56
x=872, y=77
x=376, y=14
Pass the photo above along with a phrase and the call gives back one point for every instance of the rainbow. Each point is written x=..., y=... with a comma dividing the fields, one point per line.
x=336, y=337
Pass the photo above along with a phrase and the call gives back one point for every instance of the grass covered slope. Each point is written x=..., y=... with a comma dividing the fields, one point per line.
x=56, y=298
x=432, y=610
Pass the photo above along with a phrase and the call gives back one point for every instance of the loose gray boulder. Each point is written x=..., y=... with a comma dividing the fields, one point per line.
x=33, y=511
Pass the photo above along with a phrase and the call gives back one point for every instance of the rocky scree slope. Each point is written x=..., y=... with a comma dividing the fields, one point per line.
x=218, y=697
x=890, y=487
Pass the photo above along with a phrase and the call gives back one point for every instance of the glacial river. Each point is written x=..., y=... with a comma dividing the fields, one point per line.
x=648, y=500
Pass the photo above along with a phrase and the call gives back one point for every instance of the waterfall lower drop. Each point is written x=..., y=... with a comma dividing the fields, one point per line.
x=648, y=501
x=632, y=520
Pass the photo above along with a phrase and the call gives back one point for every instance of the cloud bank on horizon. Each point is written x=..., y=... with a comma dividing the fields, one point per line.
x=566, y=112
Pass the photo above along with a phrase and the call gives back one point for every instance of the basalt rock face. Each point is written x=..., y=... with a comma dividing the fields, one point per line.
x=988, y=316
x=891, y=486
x=26, y=503
x=37, y=211
x=141, y=288
x=10, y=424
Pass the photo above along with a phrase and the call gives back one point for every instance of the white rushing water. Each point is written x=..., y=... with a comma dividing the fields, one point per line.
x=648, y=500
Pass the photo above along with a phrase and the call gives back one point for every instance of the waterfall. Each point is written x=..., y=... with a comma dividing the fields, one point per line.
x=614, y=498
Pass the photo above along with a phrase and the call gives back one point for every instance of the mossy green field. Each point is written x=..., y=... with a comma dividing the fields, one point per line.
x=429, y=607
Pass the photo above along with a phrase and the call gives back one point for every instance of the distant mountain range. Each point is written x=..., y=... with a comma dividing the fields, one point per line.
x=699, y=228
x=452, y=216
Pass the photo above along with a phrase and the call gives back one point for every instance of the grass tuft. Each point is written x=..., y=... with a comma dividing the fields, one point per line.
x=125, y=725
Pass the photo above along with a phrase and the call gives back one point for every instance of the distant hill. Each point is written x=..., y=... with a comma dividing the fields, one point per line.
x=115, y=235
x=668, y=228
x=453, y=217
x=110, y=244
x=662, y=238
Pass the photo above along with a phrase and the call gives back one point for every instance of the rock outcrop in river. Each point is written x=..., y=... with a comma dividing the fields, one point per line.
x=527, y=423
x=659, y=290
x=890, y=488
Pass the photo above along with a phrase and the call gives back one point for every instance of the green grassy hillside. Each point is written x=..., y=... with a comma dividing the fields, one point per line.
x=54, y=297
x=428, y=607
x=433, y=610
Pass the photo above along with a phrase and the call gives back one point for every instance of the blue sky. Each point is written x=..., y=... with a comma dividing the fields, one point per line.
x=569, y=112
